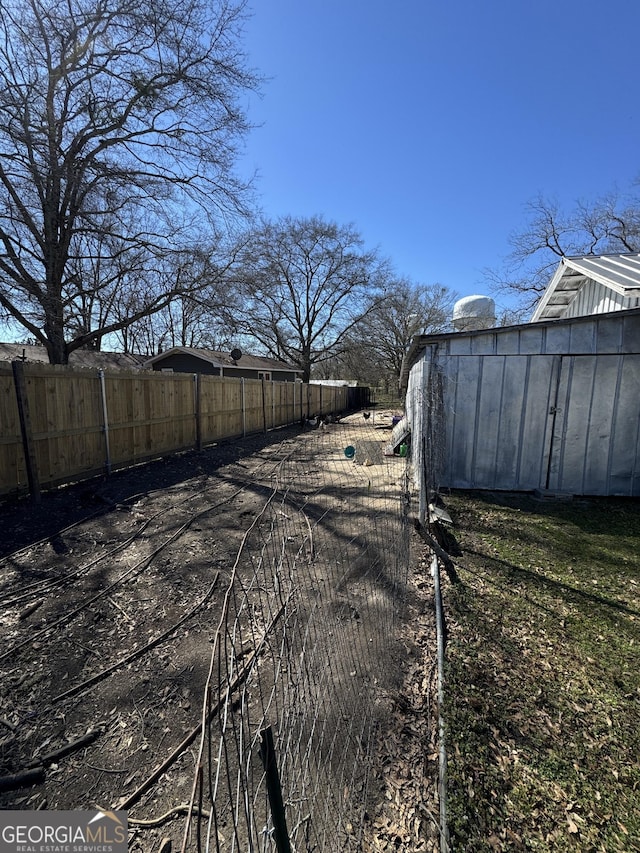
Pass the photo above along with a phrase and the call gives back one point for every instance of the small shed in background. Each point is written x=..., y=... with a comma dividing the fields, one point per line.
x=552, y=405
x=235, y=365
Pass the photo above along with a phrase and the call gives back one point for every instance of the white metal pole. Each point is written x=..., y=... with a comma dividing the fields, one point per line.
x=105, y=420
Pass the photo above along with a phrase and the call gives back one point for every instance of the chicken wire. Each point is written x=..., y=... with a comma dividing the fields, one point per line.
x=425, y=413
x=305, y=646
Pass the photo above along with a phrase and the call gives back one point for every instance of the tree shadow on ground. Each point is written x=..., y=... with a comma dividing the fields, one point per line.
x=24, y=523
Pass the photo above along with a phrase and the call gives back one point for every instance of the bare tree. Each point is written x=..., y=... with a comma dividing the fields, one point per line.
x=306, y=283
x=201, y=315
x=119, y=126
x=609, y=224
x=379, y=342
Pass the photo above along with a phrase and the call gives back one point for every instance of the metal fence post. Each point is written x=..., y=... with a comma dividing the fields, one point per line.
x=197, y=390
x=105, y=421
x=274, y=791
x=30, y=459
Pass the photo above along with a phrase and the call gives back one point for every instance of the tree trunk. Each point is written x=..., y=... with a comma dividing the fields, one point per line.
x=305, y=363
x=54, y=332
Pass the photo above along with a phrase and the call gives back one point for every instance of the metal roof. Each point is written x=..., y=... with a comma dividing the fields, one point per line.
x=620, y=273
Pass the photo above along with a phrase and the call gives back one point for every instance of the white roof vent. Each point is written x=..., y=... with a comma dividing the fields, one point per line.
x=474, y=312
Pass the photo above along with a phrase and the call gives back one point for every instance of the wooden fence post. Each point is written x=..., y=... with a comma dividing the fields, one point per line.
x=244, y=408
x=264, y=405
x=197, y=387
x=30, y=460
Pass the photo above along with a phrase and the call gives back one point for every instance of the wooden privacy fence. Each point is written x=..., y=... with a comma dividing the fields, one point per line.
x=61, y=424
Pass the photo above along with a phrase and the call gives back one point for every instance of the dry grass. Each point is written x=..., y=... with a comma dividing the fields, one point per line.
x=543, y=681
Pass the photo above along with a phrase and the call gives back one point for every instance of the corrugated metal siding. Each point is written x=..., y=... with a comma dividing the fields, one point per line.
x=594, y=298
x=623, y=465
x=497, y=412
x=615, y=274
x=607, y=333
x=597, y=439
x=565, y=417
x=567, y=423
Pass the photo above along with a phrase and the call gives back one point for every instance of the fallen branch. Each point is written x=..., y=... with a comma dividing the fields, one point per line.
x=135, y=569
x=72, y=691
x=117, y=606
x=66, y=749
x=223, y=698
x=242, y=676
x=34, y=773
x=183, y=808
x=442, y=555
x=311, y=548
x=24, y=779
x=31, y=609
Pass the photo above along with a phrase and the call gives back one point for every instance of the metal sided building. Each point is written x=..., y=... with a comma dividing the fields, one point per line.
x=551, y=405
x=591, y=284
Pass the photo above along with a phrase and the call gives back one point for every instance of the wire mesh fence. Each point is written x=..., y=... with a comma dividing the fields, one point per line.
x=426, y=415
x=213, y=643
x=303, y=648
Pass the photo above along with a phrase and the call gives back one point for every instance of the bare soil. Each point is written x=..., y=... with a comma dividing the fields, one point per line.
x=122, y=573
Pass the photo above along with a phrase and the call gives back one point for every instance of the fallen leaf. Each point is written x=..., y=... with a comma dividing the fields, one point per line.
x=573, y=827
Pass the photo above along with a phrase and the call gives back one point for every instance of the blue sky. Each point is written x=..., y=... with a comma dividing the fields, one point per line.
x=430, y=125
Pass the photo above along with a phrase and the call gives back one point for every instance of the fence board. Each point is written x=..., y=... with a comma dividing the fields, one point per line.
x=12, y=468
x=149, y=415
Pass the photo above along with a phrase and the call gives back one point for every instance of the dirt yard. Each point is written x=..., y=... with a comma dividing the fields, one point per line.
x=109, y=592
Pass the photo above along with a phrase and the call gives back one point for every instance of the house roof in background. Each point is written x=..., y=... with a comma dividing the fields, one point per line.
x=620, y=273
x=91, y=359
x=224, y=360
